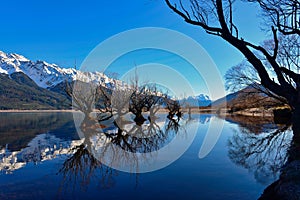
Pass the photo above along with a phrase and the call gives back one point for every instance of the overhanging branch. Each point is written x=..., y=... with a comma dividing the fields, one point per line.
x=209, y=29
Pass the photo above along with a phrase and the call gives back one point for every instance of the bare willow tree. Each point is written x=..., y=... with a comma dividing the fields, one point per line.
x=217, y=17
x=143, y=99
x=174, y=108
x=83, y=96
x=92, y=99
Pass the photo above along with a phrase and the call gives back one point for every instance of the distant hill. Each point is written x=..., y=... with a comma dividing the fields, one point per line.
x=222, y=102
x=18, y=91
x=249, y=97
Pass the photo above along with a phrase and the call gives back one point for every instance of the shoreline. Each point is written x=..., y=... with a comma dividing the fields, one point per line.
x=35, y=111
x=185, y=111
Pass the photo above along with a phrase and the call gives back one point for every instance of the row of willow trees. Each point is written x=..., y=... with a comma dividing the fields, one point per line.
x=117, y=100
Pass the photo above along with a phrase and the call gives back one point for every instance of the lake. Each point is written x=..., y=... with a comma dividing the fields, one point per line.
x=42, y=156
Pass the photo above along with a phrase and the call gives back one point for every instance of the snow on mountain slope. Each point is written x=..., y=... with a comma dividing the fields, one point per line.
x=202, y=97
x=200, y=100
x=46, y=75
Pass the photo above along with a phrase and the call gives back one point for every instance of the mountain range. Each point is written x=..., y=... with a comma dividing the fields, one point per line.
x=45, y=75
x=196, y=101
x=25, y=84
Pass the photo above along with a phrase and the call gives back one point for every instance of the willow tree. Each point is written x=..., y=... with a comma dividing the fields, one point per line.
x=276, y=64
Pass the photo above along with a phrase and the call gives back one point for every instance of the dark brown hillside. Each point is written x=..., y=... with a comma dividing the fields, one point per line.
x=247, y=98
x=20, y=92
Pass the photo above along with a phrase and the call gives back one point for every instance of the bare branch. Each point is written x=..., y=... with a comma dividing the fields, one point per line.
x=188, y=20
x=276, y=42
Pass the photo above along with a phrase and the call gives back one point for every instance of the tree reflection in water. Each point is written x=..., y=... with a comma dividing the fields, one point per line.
x=287, y=187
x=261, y=153
x=81, y=167
x=117, y=145
x=271, y=154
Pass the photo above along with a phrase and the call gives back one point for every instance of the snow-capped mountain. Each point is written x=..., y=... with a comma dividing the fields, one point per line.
x=17, y=68
x=195, y=101
x=203, y=97
x=46, y=75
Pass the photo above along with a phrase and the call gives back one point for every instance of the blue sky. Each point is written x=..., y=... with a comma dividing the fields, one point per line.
x=64, y=31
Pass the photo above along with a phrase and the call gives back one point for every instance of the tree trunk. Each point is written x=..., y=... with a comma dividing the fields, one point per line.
x=139, y=119
x=294, y=151
x=296, y=124
x=170, y=115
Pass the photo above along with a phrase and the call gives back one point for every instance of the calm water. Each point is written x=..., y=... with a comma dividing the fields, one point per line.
x=42, y=157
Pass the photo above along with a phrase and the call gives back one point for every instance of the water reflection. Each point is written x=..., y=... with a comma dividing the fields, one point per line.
x=257, y=144
x=263, y=154
x=119, y=142
x=271, y=153
x=250, y=124
x=43, y=147
x=81, y=167
x=18, y=129
x=33, y=138
x=37, y=137
x=125, y=144
x=287, y=186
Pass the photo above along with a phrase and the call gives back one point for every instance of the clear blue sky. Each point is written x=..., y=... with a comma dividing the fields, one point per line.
x=62, y=31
